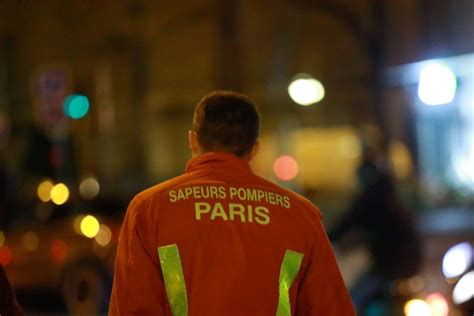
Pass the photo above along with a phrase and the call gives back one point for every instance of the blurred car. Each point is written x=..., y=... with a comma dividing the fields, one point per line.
x=73, y=256
x=438, y=290
x=449, y=260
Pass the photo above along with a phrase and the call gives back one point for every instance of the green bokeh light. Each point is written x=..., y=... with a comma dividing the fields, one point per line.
x=76, y=106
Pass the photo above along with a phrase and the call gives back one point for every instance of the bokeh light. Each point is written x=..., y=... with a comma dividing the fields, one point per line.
x=44, y=190
x=59, y=194
x=59, y=251
x=464, y=168
x=5, y=255
x=457, y=260
x=89, y=188
x=2, y=238
x=76, y=106
x=464, y=289
x=104, y=236
x=437, y=84
x=417, y=307
x=306, y=90
x=439, y=305
x=90, y=226
x=401, y=160
x=285, y=168
x=30, y=241
x=77, y=223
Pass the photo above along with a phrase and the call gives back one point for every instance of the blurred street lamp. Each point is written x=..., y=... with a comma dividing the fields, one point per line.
x=464, y=289
x=439, y=305
x=437, y=84
x=306, y=90
x=77, y=223
x=76, y=106
x=59, y=194
x=30, y=241
x=90, y=226
x=457, y=260
x=417, y=307
x=44, y=190
x=285, y=168
x=89, y=188
x=104, y=236
x=372, y=40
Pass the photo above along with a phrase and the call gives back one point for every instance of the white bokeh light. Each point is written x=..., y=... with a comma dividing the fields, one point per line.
x=464, y=168
x=89, y=188
x=417, y=308
x=305, y=90
x=463, y=147
x=457, y=260
x=437, y=84
x=464, y=290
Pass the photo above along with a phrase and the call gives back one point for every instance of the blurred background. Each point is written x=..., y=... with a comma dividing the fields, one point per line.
x=367, y=108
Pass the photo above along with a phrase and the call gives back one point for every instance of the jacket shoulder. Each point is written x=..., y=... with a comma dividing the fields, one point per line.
x=303, y=203
x=154, y=191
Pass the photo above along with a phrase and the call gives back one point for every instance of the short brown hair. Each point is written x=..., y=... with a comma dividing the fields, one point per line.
x=226, y=121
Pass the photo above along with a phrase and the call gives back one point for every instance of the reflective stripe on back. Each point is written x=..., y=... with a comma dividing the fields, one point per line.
x=289, y=269
x=174, y=279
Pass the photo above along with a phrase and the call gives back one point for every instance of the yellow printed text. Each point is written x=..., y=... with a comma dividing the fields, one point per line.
x=232, y=212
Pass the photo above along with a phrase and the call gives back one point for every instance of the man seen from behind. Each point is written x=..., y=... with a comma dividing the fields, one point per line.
x=220, y=240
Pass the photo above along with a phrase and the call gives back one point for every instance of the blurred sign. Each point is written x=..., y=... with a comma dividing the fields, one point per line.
x=51, y=87
x=444, y=134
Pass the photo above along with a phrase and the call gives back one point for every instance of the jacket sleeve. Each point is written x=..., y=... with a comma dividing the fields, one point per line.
x=322, y=290
x=138, y=287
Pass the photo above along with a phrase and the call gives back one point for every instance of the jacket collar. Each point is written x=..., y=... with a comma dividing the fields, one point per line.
x=218, y=160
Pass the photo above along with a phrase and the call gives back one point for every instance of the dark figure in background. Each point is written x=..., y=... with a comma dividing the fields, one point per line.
x=37, y=161
x=4, y=196
x=387, y=229
x=7, y=183
x=8, y=304
x=8, y=194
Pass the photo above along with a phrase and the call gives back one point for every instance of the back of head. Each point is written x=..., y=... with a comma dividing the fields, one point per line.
x=226, y=121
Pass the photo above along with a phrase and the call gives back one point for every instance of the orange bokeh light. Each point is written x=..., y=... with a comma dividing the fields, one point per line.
x=59, y=251
x=439, y=305
x=285, y=167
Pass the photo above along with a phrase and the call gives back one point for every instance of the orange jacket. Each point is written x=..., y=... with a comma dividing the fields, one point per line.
x=219, y=240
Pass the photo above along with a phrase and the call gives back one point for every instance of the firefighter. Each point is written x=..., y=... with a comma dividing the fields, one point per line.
x=220, y=240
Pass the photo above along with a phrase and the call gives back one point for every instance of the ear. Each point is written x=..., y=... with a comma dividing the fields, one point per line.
x=193, y=143
x=255, y=149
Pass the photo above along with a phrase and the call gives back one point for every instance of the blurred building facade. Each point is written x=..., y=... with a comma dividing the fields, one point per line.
x=145, y=64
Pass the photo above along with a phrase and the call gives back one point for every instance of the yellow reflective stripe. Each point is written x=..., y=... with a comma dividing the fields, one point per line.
x=289, y=269
x=174, y=279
